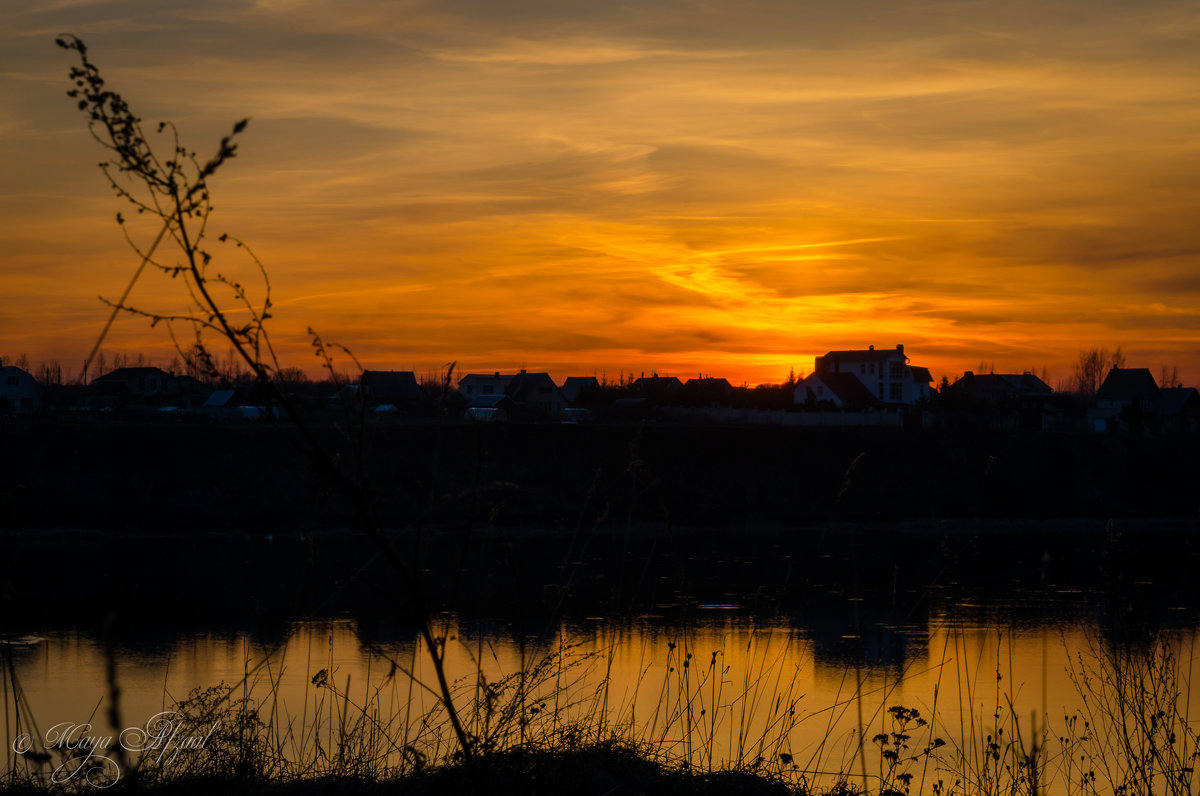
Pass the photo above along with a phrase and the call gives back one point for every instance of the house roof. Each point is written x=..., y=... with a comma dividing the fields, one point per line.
x=495, y=401
x=921, y=375
x=494, y=376
x=525, y=386
x=1128, y=384
x=878, y=354
x=655, y=383
x=219, y=398
x=708, y=383
x=1019, y=383
x=128, y=374
x=577, y=386
x=10, y=369
x=1176, y=400
x=1027, y=382
x=847, y=388
x=390, y=386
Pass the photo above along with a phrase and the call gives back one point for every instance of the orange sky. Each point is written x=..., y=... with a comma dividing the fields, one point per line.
x=671, y=186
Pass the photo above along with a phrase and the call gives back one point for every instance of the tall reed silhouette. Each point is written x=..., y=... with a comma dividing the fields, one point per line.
x=174, y=191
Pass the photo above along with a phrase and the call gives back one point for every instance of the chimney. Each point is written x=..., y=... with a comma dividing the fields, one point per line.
x=497, y=375
x=871, y=348
x=900, y=347
x=522, y=370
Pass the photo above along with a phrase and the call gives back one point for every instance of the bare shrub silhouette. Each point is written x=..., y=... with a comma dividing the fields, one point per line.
x=174, y=191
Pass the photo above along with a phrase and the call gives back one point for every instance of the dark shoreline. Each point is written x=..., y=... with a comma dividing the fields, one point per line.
x=950, y=526
x=823, y=580
x=454, y=477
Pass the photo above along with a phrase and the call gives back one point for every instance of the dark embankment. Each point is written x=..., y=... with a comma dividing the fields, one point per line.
x=256, y=478
x=596, y=770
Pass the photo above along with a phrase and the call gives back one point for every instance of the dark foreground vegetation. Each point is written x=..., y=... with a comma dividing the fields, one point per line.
x=597, y=770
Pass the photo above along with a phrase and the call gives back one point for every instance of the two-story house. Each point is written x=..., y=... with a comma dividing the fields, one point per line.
x=885, y=373
x=535, y=393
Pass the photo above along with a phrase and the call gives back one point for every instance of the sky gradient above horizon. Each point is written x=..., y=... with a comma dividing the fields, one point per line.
x=671, y=186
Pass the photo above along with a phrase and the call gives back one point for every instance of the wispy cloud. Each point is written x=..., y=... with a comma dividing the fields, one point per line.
x=744, y=184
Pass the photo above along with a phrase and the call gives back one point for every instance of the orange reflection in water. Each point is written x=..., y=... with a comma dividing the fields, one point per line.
x=725, y=693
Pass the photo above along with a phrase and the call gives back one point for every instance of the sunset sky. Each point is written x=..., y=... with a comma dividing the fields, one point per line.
x=587, y=187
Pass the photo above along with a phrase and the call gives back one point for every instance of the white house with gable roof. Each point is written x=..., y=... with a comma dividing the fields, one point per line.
x=885, y=373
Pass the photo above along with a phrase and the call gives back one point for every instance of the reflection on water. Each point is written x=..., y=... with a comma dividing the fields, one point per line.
x=782, y=652
x=725, y=690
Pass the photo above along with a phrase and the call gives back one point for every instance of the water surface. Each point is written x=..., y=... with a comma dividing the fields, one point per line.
x=766, y=647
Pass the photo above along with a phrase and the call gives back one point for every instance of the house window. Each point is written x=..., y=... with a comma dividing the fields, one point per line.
x=872, y=368
x=26, y=403
x=862, y=368
x=14, y=380
x=895, y=391
x=470, y=389
x=820, y=390
x=544, y=390
x=894, y=371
